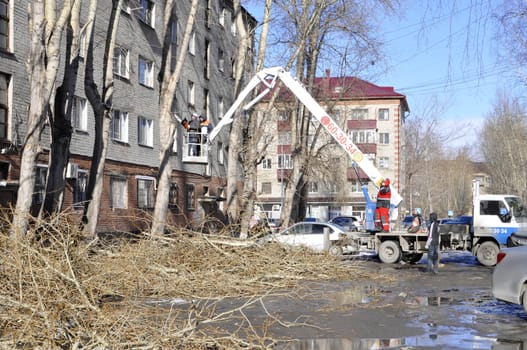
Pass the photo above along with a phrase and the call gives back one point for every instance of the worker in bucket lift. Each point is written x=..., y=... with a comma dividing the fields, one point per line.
x=382, y=210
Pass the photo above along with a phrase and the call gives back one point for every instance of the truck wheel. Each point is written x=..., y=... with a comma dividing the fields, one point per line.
x=487, y=253
x=335, y=250
x=389, y=252
x=411, y=258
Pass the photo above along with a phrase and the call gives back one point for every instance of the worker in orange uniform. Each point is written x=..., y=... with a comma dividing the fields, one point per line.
x=382, y=210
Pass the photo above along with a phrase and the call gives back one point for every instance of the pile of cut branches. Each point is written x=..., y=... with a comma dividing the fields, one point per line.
x=63, y=291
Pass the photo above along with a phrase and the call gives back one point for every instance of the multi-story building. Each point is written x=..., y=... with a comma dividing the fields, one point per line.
x=205, y=88
x=373, y=116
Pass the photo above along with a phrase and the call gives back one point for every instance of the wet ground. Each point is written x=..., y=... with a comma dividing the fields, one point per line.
x=454, y=309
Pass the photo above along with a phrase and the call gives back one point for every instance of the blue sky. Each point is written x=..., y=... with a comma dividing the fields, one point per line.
x=444, y=57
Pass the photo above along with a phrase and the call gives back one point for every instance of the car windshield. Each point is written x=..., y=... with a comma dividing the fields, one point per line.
x=518, y=208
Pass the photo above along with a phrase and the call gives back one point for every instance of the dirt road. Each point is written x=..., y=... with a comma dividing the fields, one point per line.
x=415, y=310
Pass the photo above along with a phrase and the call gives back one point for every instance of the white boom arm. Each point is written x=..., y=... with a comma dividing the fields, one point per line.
x=269, y=77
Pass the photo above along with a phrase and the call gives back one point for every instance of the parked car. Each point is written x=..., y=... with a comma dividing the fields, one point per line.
x=509, y=278
x=350, y=223
x=310, y=235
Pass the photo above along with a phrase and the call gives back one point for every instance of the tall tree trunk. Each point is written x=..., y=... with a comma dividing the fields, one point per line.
x=60, y=121
x=101, y=104
x=45, y=33
x=166, y=121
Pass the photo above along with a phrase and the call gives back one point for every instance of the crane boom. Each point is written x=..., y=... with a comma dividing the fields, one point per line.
x=269, y=78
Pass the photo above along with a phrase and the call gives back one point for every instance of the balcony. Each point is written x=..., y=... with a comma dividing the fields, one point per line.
x=195, y=147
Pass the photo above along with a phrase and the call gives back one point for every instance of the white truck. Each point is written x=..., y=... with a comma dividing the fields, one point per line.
x=484, y=238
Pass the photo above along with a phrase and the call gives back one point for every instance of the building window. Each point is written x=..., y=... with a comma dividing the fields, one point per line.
x=79, y=113
x=206, y=60
x=145, y=193
x=221, y=60
x=221, y=159
x=384, y=138
x=192, y=44
x=356, y=186
x=121, y=62
x=146, y=13
x=4, y=105
x=39, y=190
x=191, y=93
x=146, y=72
x=362, y=136
x=284, y=115
x=190, y=196
x=359, y=114
x=118, y=192
x=285, y=161
x=79, y=192
x=221, y=107
x=4, y=25
x=384, y=162
x=267, y=163
x=173, y=196
x=384, y=114
x=145, y=132
x=120, y=126
x=312, y=187
x=174, y=144
x=267, y=188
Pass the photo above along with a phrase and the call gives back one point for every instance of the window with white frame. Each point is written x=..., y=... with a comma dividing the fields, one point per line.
x=146, y=72
x=312, y=187
x=355, y=186
x=120, y=126
x=359, y=113
x=118, y=192
x=267, y=163
x=191, y=93
x=192, y=44
x=39, y=190
x=332, y=188
x=145, y=131
x=384, y=162
x=221, y=107
x=79, y=192
x=145, y=192
x=173, y=196
x=221, y=60
x=4, y=105
x=79, y=113
x=384, y=114
x=146, y=12
x=384, y=138
x=362, y=136
x=267, y=188
x=221, y=158
x=285, y=161
x=4, y=25
x=190, y=197
x=121, y=62
x=284, y=138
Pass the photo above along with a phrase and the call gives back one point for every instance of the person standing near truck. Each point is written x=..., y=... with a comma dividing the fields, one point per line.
x=382, y=210
x=433, y=244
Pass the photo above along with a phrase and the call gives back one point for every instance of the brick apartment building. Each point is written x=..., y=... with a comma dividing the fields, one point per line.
x=205, y=88
x=373, y=116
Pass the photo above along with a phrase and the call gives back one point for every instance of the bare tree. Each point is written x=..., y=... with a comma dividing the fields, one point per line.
x=46, y=25
x=60, y=119
x=167, y=126
x=102, y=109
x=502, y=141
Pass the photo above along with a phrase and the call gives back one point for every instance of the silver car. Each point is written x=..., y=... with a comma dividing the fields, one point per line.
x=509, y=279
x=311, y=235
